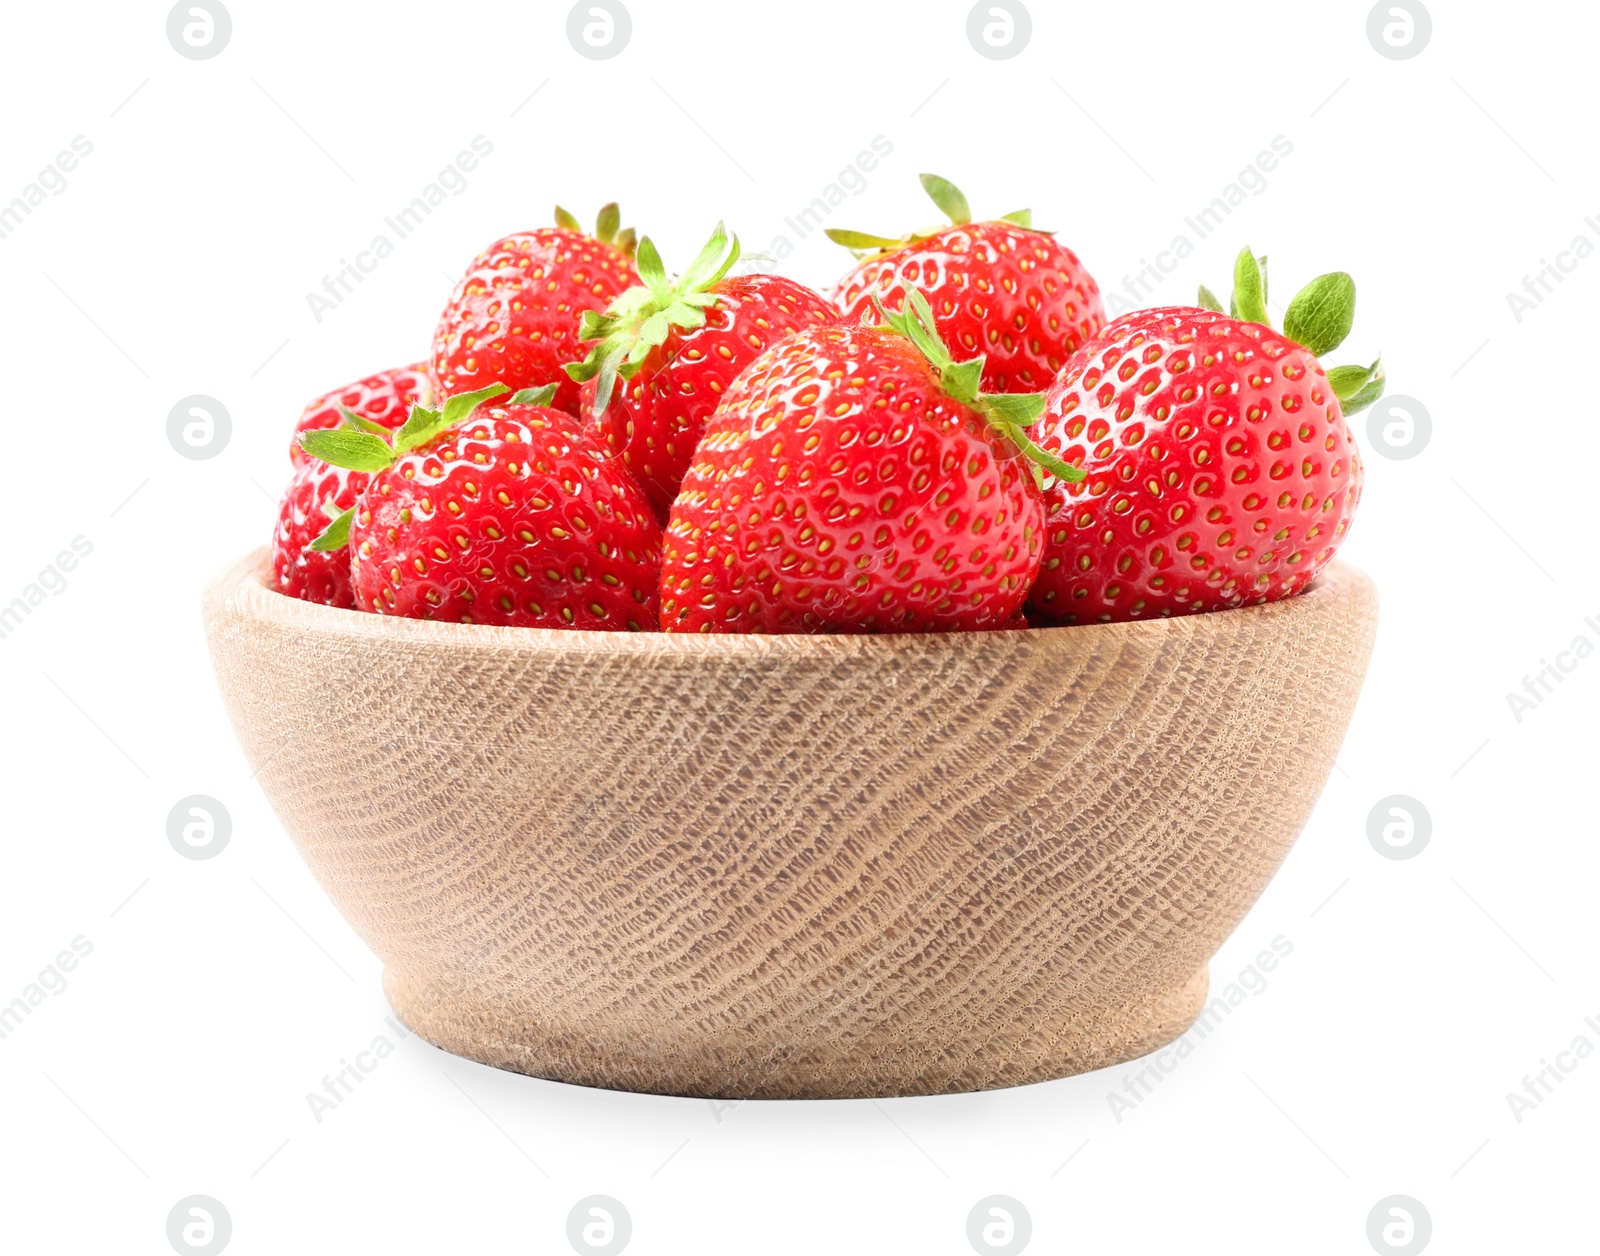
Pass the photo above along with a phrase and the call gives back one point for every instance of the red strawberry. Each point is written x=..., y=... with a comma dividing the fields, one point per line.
x=1220, y=469
x=508, y=516
x=998, y=288
x=513, y=317
x=316, y=494
x=854, y=479
x=384, y=399
x=677, y=347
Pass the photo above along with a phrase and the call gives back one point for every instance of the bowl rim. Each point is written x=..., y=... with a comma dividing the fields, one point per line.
x=245, y=585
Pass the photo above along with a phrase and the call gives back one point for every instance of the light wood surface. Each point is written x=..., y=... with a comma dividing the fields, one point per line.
x=793, y=866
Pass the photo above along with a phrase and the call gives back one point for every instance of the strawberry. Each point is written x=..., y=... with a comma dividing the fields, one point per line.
x=855, y=479
x=513, y=317
x=511, y=515
x=999, y=288
x=1220, y=470
x=316, y=493
x=384, y=399
x=677, y=347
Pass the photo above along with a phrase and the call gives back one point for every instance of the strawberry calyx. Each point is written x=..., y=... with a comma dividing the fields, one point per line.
x=605, y=228
x=349, y=418
x=1010, y=414
x=641, y=318
x=951, y=202
x=370, y=448
x=1318, y=319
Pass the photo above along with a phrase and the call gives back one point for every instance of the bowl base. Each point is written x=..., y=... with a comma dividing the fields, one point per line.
x=729, y=1068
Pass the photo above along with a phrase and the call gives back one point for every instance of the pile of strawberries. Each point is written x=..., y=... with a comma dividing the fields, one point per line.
x=955, y=439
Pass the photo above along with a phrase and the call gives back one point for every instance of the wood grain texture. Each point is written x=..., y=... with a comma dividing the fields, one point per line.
x=793, y=866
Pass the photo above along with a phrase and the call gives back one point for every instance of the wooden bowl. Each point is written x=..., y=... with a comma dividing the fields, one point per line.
x=793, y=866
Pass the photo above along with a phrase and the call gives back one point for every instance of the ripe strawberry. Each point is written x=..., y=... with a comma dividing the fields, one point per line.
x=1220, y=469
x=508, y=516
x=513, y=317
x=677, y=347
x=854, y=479
x=999, y=288
x=316, y=493
x=384, y=399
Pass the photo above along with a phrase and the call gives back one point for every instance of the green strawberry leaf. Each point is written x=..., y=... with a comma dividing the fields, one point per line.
x=627, y=241
x=1015, y=409
x=1347, y=381
x=947, y=196
x=1321, y=314
x=715, y=260
x=686, y=314
x=424, y=425
x=605, y=226
x=1249, y=293
x=1208, y=300
x=916, y=320
x=651, y=333
x=335, y=536
x=1371, y=388
x=533, y=396
x=361, y=423
x=564, y=219
x=860, y=240
x=1055, y=466
x=608, y=381
x=648, y=262
x=457, y=408
x=1007, y=413
x=354, y=451
x=964, y=380
x=420, y=424
x=643, y=316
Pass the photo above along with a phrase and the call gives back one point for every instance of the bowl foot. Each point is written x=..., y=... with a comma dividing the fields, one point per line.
x=942, y=1058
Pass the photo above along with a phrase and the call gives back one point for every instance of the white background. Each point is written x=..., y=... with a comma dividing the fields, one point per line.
x=177, y=261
